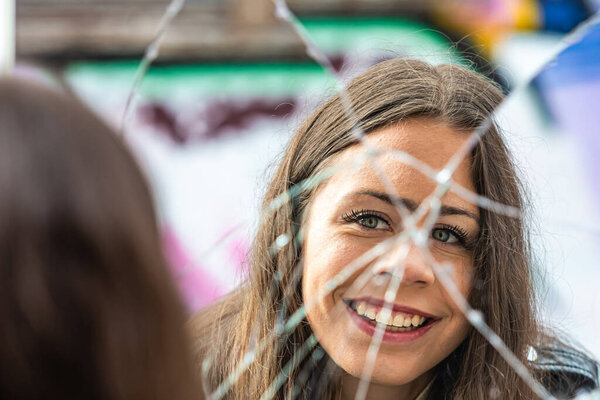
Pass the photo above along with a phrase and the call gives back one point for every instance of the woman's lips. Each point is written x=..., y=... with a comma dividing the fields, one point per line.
x=401, y=324
x=379, y=304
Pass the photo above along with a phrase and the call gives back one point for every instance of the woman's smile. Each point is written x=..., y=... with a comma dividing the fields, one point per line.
x=400, y=324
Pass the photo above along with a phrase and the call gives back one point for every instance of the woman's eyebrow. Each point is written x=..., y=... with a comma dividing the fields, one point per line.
x=412, y=205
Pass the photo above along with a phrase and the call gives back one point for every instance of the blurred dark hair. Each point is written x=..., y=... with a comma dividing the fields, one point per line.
x=87, y=307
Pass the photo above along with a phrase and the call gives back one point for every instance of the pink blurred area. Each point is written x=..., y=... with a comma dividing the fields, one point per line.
x=198, y=288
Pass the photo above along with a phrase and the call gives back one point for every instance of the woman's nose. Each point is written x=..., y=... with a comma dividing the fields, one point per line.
x=408, y=262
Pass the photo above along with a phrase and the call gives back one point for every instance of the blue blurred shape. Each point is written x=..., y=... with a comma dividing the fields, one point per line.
x=570, y=87
x=562, y=15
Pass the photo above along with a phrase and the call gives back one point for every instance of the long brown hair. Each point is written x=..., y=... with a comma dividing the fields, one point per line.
x=87, y=306
x=387, y=93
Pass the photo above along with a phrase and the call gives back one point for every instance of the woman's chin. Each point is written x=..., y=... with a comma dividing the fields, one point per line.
x=387, y=369
x=397, y=376
x=398, y=382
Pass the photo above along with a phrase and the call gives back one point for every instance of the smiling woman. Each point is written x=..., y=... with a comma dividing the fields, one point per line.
x=364, y=276
x=348, y=216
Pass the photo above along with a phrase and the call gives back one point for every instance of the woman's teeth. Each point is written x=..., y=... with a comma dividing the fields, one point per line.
x=395, y=321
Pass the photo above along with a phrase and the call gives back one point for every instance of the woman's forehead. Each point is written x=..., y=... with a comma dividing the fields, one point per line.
x=352, y=187
x=430, y=142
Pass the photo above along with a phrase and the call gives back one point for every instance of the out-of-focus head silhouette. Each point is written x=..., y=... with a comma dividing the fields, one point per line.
x=87, y=307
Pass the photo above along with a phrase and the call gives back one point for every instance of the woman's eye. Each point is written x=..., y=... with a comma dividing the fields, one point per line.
x=367, y=219
x=369, y=222
x=444, y=235
x=373, y=222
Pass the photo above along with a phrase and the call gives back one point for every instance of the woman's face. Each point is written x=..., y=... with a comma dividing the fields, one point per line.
x=350, y=214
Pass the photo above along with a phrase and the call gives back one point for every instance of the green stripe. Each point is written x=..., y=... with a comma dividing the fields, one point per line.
x=334, y=35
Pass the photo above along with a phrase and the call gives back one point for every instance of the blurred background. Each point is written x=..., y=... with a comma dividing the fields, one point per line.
x=232, y=82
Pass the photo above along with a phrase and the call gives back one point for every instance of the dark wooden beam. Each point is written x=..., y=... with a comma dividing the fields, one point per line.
x=204, y=30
